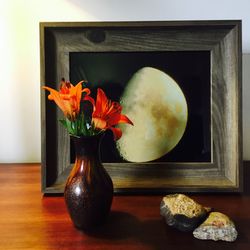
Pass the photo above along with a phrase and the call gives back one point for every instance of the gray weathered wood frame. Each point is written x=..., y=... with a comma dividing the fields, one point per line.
x=221, y=38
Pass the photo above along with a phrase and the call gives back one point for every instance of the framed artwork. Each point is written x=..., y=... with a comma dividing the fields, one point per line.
x=180, y=82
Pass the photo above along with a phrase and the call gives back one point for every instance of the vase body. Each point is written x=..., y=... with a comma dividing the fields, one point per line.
x=89, y=189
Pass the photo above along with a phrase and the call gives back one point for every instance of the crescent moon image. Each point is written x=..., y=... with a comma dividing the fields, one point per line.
x=158, y=108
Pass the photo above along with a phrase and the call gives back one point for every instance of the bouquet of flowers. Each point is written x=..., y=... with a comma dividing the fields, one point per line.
x=78, y=119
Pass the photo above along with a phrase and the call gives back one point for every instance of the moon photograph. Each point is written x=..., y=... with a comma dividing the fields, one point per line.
x=158, y=108
x=165, y=93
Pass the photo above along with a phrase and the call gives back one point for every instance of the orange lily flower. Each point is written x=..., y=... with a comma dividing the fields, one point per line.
x=106, y=114
x=68, y=98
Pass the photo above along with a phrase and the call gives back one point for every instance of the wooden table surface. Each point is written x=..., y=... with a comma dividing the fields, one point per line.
x=30, y=221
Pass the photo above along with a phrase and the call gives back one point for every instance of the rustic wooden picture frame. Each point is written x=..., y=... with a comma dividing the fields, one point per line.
x=223, y=41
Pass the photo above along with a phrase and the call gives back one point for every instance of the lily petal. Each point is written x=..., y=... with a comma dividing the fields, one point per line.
x=90, y=99
x=116, y=132
x=106, y=114
x=101, y=102
x=68, y=98
x=99, y=123
x=55, y=96
x=125, y=119
x=119, y=119
x=86, y=90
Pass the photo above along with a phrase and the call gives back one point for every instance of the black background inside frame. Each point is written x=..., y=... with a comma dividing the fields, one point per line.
x=190, y=69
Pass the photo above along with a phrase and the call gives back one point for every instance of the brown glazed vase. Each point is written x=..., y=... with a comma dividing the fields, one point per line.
x=89, y=189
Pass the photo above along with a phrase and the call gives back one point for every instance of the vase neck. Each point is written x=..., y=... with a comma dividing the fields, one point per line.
x=87, y=146
x=87, y=150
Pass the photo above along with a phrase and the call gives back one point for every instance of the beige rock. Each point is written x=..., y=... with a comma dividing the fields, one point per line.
x=182, y=212
x=217, y=226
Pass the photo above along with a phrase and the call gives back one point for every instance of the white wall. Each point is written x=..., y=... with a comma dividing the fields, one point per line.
x=19, y=47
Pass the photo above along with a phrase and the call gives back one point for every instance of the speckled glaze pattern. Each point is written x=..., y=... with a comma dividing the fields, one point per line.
x=89, y=189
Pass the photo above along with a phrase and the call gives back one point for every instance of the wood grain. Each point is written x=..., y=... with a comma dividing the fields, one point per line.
x=30, y=221
x=221, y=38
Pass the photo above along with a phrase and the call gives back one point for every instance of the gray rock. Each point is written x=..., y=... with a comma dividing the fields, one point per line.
x=182, y=212
x=216, y=227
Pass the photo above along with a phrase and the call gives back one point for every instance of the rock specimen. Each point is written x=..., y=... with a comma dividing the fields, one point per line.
x=182, y=212
x=216, y=227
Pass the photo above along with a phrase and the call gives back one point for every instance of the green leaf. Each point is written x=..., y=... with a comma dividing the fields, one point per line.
x=63, y=122
x=81, y=126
